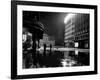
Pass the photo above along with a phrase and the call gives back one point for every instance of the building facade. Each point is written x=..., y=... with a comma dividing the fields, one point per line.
x=77, y=30
x=69, y=30
x=48, y=40
x=82, y=30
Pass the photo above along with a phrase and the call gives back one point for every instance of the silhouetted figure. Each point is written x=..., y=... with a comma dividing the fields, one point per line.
x=50, y=50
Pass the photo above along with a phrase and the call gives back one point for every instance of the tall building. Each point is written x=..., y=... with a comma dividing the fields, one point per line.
x=77, y=30
x=69, y=30
x=82, y=30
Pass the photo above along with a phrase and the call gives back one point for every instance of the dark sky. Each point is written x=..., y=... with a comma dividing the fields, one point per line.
x=53, y=23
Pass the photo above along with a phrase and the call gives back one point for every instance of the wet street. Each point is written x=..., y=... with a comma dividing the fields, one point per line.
x=58, y=57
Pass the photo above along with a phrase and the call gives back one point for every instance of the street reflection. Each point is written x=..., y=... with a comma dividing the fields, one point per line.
x=57, y=58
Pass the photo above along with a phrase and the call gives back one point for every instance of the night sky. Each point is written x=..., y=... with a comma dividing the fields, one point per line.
x=53, y=23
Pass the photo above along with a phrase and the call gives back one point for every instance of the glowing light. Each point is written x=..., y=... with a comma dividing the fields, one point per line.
x=69, y=16
x=64, y=63
x=76, y=44
x=76, y=52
